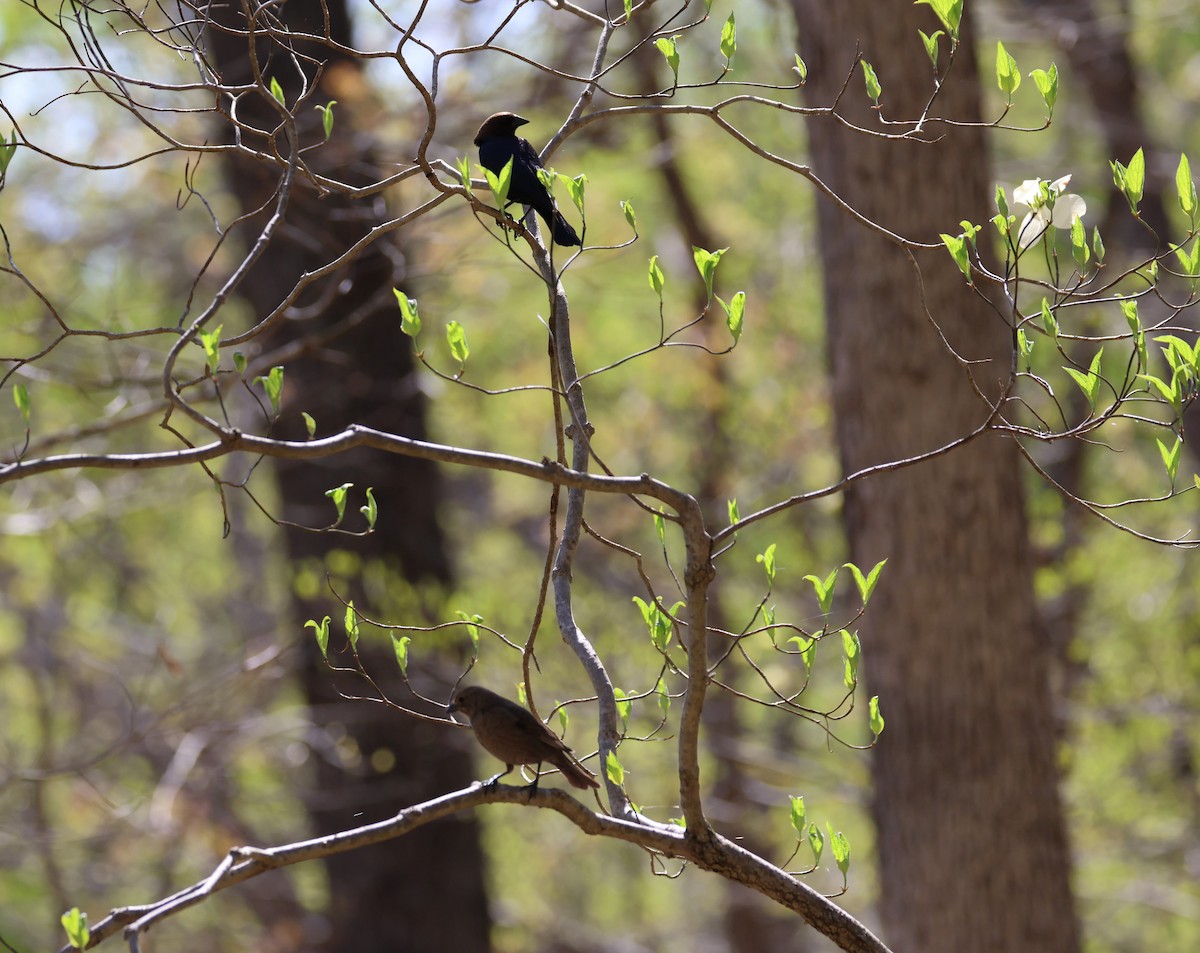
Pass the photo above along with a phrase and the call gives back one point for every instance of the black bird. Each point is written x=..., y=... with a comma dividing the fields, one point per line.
x=498, y=142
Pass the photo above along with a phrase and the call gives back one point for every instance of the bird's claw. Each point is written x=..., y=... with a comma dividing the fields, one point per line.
x=493, y=782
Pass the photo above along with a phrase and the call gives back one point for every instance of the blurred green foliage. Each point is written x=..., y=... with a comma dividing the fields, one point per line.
x=148, y=720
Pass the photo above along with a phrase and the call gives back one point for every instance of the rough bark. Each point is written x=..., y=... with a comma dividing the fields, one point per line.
x=349, y=363
x=972, y=846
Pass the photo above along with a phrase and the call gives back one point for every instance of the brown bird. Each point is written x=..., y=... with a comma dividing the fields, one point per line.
x=512, y=733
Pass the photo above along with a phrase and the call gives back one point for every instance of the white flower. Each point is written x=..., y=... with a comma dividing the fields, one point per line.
x=1049, y=205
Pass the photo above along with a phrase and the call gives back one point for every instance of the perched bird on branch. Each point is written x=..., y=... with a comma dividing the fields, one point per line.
x=498, y=142
x=515, y=736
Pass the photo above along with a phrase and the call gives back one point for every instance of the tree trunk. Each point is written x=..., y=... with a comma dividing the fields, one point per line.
x=972, y=846
x=349, y=363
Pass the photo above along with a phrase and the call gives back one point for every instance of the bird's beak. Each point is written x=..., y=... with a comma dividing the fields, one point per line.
x=520, y=120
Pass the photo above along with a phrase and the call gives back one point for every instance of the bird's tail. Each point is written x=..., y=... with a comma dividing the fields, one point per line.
x=565, y=235
x=572, y=770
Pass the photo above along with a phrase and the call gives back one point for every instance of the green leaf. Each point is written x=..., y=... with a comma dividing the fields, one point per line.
x=1025, y=347
x=624, y=706
x=613, y=770
x=866, y=584
x=211, y=342
x=456, y=337
x=350, y=621
x=321, y=630
x=473, y=621
x=816, y=842
x=272, y=383
x=1177, y=351
x=728, y=39
x=21, y=399
x=801, y=68
x=1097, y=245
x=309, y=424
x=1008, y=77
x=239, y=362
x=1089, y=383
x=400, y=647
x=630, y=215
x=660, y=527
x=371, y=510
x=824, y=589
x=564, y=719
x=1001, y=201
x=7, y=151
x=499, y=183
x=628, y=9
x=1131, y=179
x=808, y=650
x=735, y=515
x=767, y=559
x=799, y=816
x=338, y=495
x=410, y=321
x=464, y=172
x=948, y=11
x=664, y=697
x=658, y=623
x=1049, y=321
x=1189, y=261
x=1129, y=307
x=576, y=187
x=1186, y=188
x=876, y=716
x=1169, y=392
x=706, y=264
x=1170, y=458
x=669, y=48
x=874, y=90
x=853, y=655
x=75, y=922
x=326, y=112
x=1047, y=83
x=841, y=849
x=735, y=313
x=277, y=91
x=808, y=654
x=957, y=246
x=931, y=45
x=1079, y=246
x=657, y=279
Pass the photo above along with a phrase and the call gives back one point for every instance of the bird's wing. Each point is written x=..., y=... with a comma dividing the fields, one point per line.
x=528, y=153
x=516, y=715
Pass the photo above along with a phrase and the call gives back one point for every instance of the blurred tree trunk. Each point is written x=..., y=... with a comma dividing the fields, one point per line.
x=972, y=845
x=349, y=363
x=1096, y=45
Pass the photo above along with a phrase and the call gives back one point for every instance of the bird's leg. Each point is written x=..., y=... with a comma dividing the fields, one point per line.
x=537, y=776
x=490, y=783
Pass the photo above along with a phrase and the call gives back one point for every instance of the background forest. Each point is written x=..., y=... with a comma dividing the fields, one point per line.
x=162, y=699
